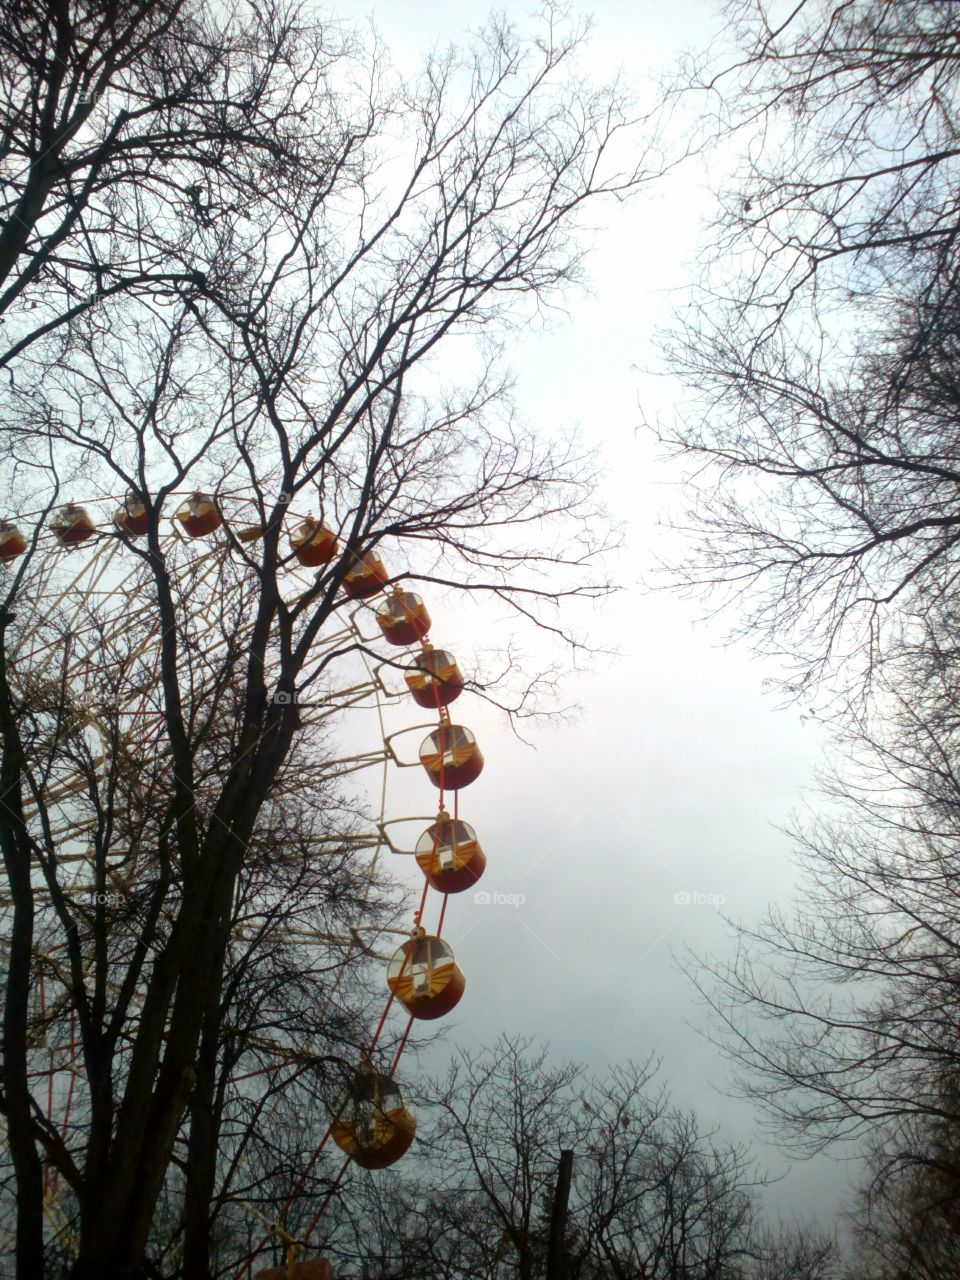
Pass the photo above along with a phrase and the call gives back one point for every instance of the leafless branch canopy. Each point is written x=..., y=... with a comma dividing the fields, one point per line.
x=242, y=255
x=820, y=348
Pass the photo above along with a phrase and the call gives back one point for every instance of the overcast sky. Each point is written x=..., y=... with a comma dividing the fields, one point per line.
x=680, y=768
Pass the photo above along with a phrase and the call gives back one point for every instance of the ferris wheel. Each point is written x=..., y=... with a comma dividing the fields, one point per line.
x=87, y=628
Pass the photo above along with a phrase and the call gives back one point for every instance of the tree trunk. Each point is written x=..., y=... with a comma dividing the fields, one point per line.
x=202, y=1152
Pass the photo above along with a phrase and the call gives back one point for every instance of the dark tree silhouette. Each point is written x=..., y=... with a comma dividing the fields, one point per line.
x=820, y=350
x=843, y=1012
x=820, y=431
x=652, y=1195
x=236, y=245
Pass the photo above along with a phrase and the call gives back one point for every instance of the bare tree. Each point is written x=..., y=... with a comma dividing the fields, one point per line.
x=821, y=433
x=126, y=128
x=652, y=1195
x=292, y=1005
x=796, y=1253
x=820, y=348
x=907, y=1220
x=295, y=371
x=843, y=1013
